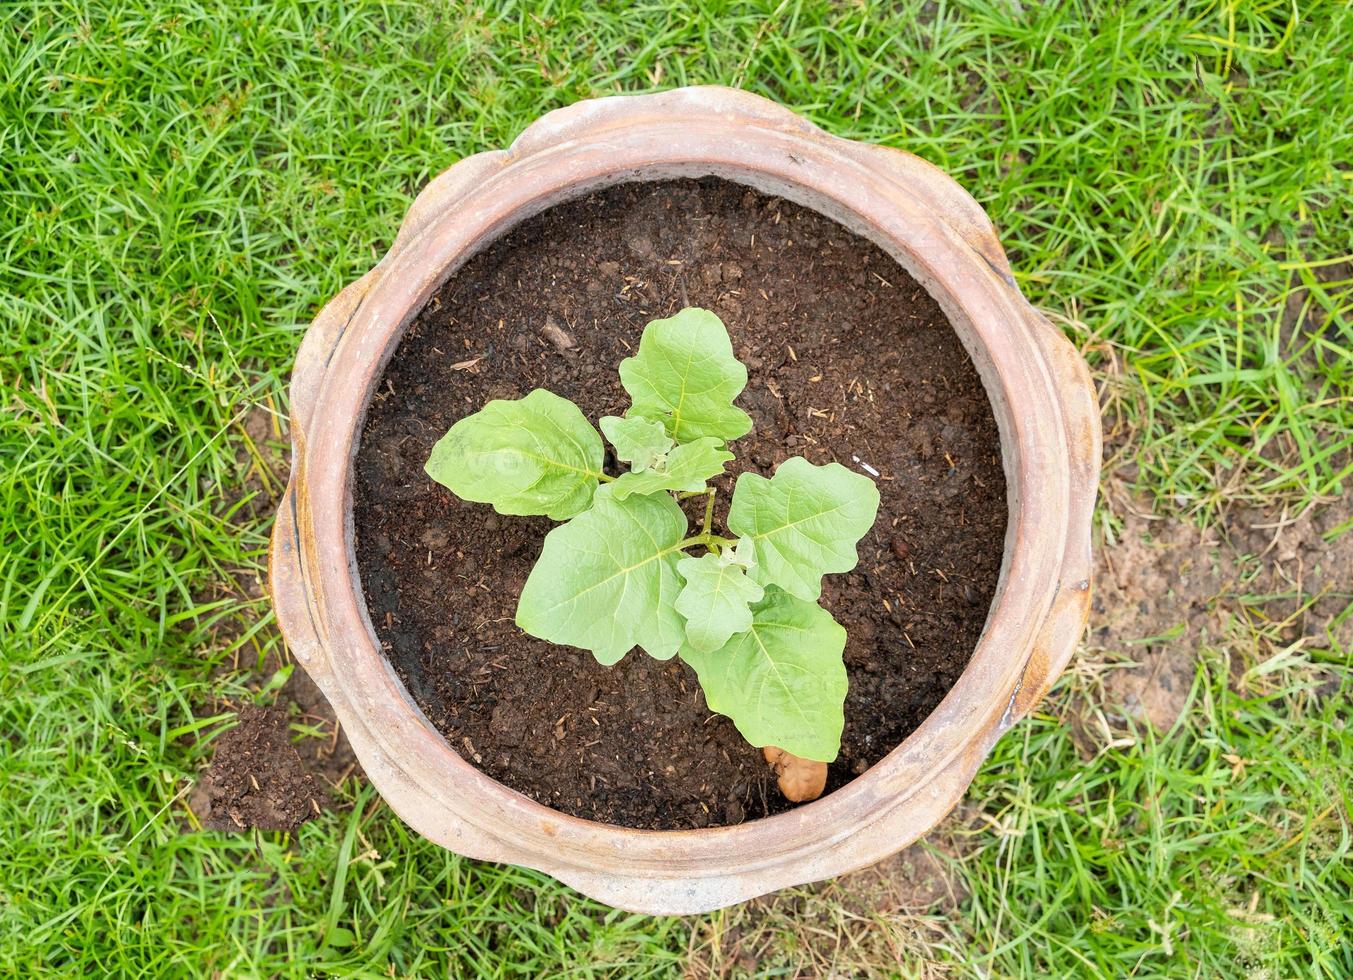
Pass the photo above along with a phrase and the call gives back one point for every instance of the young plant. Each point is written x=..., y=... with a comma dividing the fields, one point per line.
x=625, y=570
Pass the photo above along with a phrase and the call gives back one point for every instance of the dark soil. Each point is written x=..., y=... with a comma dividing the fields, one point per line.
x=849, y=360
x=224, y=798
x=257, y=780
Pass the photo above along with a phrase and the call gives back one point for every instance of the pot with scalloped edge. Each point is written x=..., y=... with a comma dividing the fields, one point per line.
x=1040, y=392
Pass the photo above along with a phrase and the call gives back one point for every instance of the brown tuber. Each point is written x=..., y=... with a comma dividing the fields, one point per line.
x=800, y=780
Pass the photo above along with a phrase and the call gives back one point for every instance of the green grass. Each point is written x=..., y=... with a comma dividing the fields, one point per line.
x=183, y=184
x=1158, y=857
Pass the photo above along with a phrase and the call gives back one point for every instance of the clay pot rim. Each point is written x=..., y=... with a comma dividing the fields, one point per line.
x=771, y=149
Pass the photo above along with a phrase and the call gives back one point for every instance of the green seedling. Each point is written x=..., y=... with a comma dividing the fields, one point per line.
x=625, y=571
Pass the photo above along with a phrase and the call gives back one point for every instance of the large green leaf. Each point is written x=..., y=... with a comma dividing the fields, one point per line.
x=685, y=468
x=685, y=373
x=783, y=681
x=716, y=599
x=607, y=580
x=535, y=455
x=638, y=441
x=803, y=522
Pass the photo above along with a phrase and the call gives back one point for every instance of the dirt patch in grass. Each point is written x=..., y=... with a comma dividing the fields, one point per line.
x=1155, y=596
x=301, y=773
x=1165, y=590
x=257, y=779
x=293, y=778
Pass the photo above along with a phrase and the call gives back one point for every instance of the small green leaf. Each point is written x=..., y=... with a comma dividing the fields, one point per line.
x=686, y=468
x=686, y=374
x=638, y=441
x=783, y=681
x=716, y=599
x=606, y=581
x=341, y=938
x=535, y=455
x=803, y=522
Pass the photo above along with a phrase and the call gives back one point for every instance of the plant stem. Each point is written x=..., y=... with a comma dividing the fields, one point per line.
x=709, y=512
x=605, y=479
x=711, y=541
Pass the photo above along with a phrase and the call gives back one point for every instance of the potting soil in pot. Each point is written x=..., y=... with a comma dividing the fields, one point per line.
x=849, y=360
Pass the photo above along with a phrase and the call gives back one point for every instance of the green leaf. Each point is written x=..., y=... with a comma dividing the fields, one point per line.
x=606, y=581
x=716, y=599
x=341, y=938
x=535, y=455
x=783, y=681
x=685, y=373
x=803, y=522
x=686, y=468
x=638, y=441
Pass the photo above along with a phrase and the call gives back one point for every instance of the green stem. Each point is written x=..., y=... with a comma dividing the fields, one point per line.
x=711, y=541
x=605, y=479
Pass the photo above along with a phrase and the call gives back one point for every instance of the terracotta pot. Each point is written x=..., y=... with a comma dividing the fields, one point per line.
x=1044, y=404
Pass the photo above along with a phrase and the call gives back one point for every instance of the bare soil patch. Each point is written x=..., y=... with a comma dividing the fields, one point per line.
x=257, y=779
x=1167, y=590
x=260, y=777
